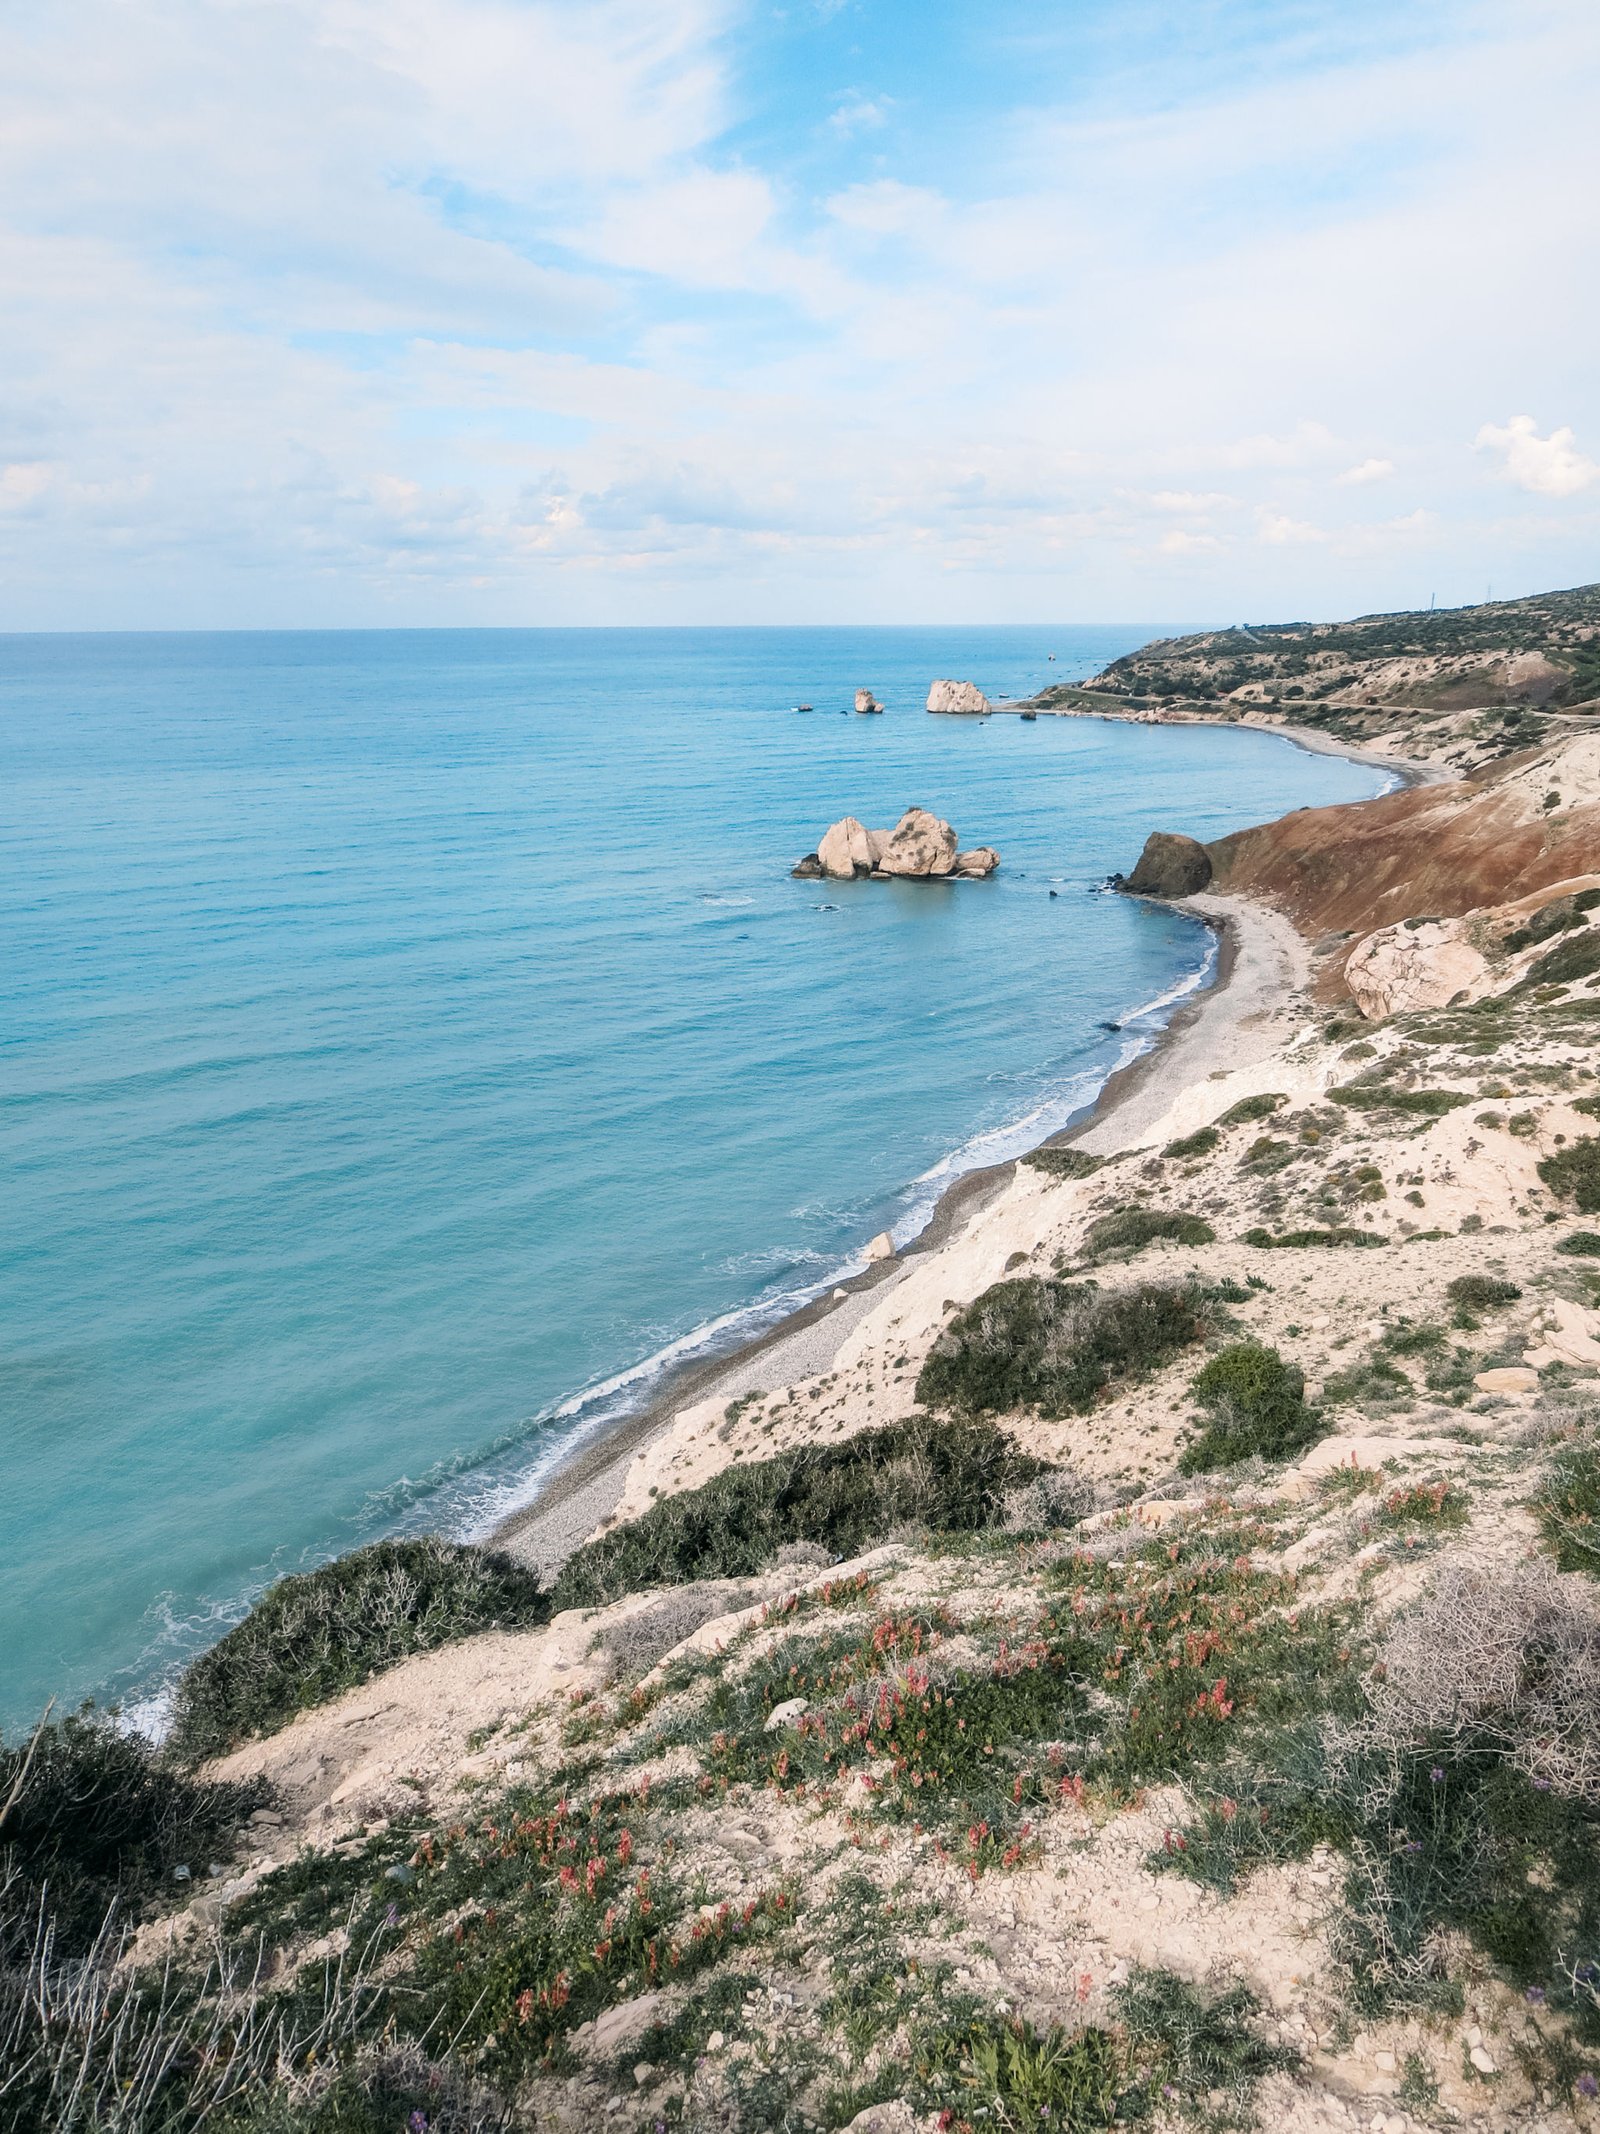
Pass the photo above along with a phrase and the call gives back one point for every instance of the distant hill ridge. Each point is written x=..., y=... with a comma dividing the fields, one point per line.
x=1457, y=685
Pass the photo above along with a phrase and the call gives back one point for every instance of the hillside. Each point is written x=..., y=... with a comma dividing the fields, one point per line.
x=1456, y=685
x=1147, y=1674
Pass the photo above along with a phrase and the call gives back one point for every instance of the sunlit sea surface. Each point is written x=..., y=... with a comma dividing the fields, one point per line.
x=409, y=1040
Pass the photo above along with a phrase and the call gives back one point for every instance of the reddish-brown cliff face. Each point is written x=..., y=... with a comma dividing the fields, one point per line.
x=1439, y=850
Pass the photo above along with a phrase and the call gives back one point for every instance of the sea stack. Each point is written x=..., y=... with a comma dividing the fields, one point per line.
x=920, y=847
x=964, y=697
x=866, y=701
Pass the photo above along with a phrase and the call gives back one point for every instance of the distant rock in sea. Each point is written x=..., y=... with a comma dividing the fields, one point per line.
x=920, y=847
x=866, y=701
x=958, y=696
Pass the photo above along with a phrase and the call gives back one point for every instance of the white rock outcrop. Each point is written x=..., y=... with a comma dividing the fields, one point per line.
x=1415, y=966
x=920, y=847
x=866, y=701
x=919, y=844
x=845, y=850
x=957, y=696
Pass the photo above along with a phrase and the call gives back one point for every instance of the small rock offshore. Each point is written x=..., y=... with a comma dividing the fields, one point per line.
x=920, y=847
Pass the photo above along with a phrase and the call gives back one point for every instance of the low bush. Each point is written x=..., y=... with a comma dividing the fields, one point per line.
x=99, y=1819
x=314, y=1635
x=1128, y=1230
x=1196, y=1144
x=1248, y=1108
x=1567, y=1507
x=1576, y=957
x=1257, y=1406
x=1057, y=1346
x=1063, y=1162
x=1481, y=1292
x=1380, y=1096
x=1574, y=1173
x=1580, y=1244
x=1191, y=2044
x=955, y=1477
x=1308, y=1238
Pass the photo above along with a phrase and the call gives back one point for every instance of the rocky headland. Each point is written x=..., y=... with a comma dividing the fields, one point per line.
x=1132, y=1657
x=921, y=847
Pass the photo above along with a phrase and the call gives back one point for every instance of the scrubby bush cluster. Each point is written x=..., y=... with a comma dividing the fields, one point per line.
x=321, y=1632
x=1567, y=1507
x=1126, y=1231
x=100, y=1820
x=1481, y=1292
x=1574, y=1173
x=951, y=1476
x=1058, y=1347
x=1256, y=1407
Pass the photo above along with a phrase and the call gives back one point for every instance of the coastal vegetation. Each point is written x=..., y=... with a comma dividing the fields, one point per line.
x=323, y=1631
x=1056, y=1347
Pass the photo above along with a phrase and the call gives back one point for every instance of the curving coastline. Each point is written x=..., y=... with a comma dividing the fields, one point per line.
x=1260, y=964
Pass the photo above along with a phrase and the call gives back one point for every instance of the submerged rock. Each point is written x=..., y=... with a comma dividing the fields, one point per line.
x=957, y=696
x=1170, y=865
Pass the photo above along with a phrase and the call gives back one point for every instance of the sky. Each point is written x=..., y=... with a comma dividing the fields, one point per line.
x=444, y=312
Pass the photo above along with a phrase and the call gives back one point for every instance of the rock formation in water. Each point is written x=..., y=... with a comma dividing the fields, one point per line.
x=957, y=696
x=920, y=847
x=866, y=701
x=1169, y=866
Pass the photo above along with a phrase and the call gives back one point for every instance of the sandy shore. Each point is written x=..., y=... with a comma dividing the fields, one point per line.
x=1243, y=1015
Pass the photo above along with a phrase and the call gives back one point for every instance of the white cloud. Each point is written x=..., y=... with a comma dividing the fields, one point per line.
x=1179, y=543
x=1369, y=470
x=860, y=114
x=1277, y=530
x=1548, y=466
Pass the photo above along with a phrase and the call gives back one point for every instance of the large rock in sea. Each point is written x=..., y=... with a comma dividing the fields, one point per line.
x=1170, y=865
x=919, y=844
x=957, y=696
x=981, y=860
x=866, y=701
x=846, y=850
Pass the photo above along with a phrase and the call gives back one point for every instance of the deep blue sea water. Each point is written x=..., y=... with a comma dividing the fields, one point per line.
x=404, y=1033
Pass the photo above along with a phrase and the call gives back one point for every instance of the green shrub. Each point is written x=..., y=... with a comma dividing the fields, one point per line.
x=1379, y=1096
x=1196, y=1144
x=1309, y=1238
x=1576, y=957
x=1057, y=1346
x=1574, y=1173
x=1580, y=1244
x=100, y=1818
x=1257, y=1406
x=1012, y=2077
x=1128, y=1230
x=314, y=1635
x=1248, y=1108
x=1481, y=1292
x=1063, y=1163
x=1194, y=2043
x=1567, y=1507
x=951, y=1476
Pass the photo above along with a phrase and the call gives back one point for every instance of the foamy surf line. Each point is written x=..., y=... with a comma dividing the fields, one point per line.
x=617, y=1399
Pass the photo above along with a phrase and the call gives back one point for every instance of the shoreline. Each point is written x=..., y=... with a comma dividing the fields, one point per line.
x=585, y=1485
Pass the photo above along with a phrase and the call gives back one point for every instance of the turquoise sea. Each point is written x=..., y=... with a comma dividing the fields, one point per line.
x=409, y=1039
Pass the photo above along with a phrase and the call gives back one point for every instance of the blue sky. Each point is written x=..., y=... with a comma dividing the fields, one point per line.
x=521, y=311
